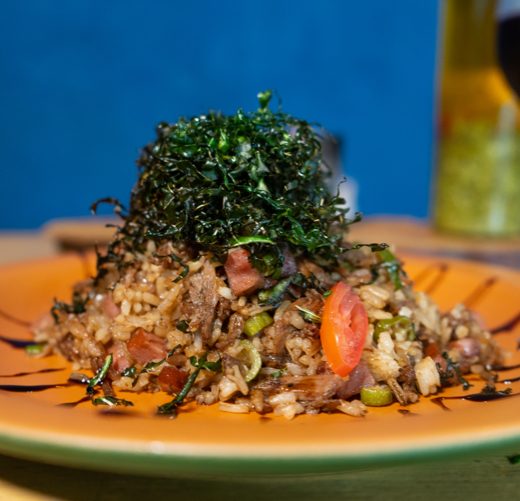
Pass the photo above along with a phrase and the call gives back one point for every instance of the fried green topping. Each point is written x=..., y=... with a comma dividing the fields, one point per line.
x=252, y=179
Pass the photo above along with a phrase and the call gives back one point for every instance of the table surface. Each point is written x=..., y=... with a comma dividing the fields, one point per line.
x=476, y=478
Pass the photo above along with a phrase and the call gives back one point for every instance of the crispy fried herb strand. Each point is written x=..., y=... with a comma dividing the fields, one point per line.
x=279, y=373
x=100, y=376
x=79, y=302
x=183, y=326
x=274, y=294
x=309, y=315
x=487, y=390
x=252, y=179
x=200, y=364
x=129, y=372
x=111, y=401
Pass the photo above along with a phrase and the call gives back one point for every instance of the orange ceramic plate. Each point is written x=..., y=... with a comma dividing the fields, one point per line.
x=204, y=441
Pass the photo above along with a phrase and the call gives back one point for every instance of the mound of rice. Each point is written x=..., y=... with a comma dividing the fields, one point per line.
x=141, y=316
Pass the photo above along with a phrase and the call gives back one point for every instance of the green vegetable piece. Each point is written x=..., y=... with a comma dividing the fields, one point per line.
x=249, y=240
x=254, y=360
x=111, y=401
x=255, y=324
x=264, y=98
x=279, y=373
x=223, y=142
x=395, y=325
x=390, y=263
x=100, y=376
x=129, y=372
x=271, y=296
x=309, y=315
x=34, y=349
x=514, y=459
x=326, y=294
x=183, y=326
x=376, y=397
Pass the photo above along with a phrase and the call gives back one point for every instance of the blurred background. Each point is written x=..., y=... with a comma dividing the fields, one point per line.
x=83, y=85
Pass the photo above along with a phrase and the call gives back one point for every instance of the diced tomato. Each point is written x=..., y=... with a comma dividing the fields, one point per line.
x=343, y=329
x=120, y=361
x=111, y=309
x=145, y=346
x=172, y=379
x=243, y=278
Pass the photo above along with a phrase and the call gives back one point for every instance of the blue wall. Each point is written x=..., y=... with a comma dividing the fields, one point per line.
x=83, y=84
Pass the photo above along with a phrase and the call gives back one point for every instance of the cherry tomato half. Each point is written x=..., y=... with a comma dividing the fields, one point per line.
x=343, y=329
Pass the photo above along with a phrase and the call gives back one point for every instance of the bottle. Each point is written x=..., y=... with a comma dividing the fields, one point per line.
x=478, y=164
x=508, y=41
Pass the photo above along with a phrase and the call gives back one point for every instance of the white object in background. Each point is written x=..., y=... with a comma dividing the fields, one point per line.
x=507, y=9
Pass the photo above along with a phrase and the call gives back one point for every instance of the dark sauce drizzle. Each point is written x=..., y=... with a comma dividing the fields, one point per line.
x=425, y=273
x=17, y=343
x=73, y=404
x=28, y=388
x=508, y=326
x=479, y=292
x=14, y=320
x=475, y=397
x=501, y=368
x=443, y=269
x=507, y=381
x=20, y=374
x=406, y=412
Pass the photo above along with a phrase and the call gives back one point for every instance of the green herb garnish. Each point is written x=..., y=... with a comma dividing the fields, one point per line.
x=200, y=364
x=129, y=372
x=183, y=326
x=253, y=179
x=309, y=315
x=78, y=305
x=487, y=390
x=153, y=366
x=393, y=267
x=273, y=295
x=326, y=294
x=100, y=376
x=514, y=459
x=279, y=373
x=111, y=401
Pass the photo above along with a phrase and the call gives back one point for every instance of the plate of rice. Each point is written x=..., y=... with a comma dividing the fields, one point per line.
x=231, y=328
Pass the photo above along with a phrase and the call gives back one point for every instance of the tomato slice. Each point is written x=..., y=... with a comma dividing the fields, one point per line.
x=344, y=329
